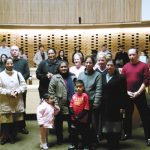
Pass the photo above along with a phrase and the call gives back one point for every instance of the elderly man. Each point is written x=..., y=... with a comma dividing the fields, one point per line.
x=22, y=66
x=135, y=72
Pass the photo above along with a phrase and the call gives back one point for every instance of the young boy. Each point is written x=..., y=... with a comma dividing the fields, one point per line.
x=79, y=107
x=45, y=117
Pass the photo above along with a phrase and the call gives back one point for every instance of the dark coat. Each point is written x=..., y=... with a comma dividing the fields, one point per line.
x=41, y=74
x=114, y=97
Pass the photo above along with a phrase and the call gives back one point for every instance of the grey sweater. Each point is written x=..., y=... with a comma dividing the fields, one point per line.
x=93, y=86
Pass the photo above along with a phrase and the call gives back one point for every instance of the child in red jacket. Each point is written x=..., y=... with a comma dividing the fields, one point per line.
x=79, y=107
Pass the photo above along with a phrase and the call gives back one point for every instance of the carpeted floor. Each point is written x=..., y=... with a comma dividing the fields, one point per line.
x=31, y=141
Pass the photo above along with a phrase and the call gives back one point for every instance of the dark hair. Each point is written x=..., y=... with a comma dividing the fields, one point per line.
x=4, y=55
x=112, y=60
x=121, y=46
x=79, y=82
x=8, y=58
x=104, y=45
x=41, y=45
x=3, y=40
x=46, y=96
x=93, y=60
x=60, y=52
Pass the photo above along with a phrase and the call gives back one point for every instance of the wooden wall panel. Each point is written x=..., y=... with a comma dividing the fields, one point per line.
x=87, y=39
x=67, y=12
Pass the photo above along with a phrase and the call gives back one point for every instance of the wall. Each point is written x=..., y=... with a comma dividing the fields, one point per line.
x=68, y=39
x=67, y=12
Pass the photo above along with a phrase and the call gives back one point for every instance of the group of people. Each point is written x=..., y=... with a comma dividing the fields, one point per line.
x=92, y=96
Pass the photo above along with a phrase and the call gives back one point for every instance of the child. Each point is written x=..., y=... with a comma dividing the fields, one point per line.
x=45, y=117
x=79, y=107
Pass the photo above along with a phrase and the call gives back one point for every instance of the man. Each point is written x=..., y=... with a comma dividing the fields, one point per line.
x=135, y=72
x=22, y=66
x=4, y=49
x=121, y=57
x=105, y=51
x=40, y=55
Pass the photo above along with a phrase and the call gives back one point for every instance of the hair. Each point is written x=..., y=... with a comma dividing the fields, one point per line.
x=3, y=40
x=52, y=50
x=46, y=96
x=133, y=49
x=7, y=59
x=60, y=52
x=121, y=46
x=112, y=60
x=93, y=60
x=79, y=82
x=104, y=45
x=60, y=62
x=41, y=45
x=4, y=55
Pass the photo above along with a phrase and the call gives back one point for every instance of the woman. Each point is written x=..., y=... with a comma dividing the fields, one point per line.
x=93, y=86
x=12, y=85
x=77, y=50
x=113, y=104
x=62, y=88
x=61, y=56
x=101, y=64
x=2, y=62
x=46, y=70
x=78, y=67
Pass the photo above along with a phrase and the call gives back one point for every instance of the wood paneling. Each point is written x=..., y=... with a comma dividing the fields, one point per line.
x=68, y=39
x=67, y=12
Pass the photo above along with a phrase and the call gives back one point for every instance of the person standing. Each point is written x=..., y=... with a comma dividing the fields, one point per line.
x=46, y=69
x=78, y=67
x=12, y=86
x=46, y=112
x=61, y=86
x=4, y=49
x=93, y=86
x=135, y=73
x=61, y=56
x=79, y=107
x=2, y=62
x=21, y=65
x=121, y=57
x=113, y=104
x=40, y=55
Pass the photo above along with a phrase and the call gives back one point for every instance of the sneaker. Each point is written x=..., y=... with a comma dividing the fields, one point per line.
x=148, y=142
x=44, y=146
x=71, y=147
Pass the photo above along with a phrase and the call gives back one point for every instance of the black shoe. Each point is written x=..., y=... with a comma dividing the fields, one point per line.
x=24, y=131
x=148, y=142
x=12, y=141
x=3, y=141
x=125, y=137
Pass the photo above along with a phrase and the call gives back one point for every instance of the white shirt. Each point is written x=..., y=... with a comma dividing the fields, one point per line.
x=76, y=70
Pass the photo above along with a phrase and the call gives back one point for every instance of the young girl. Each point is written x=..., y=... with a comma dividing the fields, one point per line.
x=79, y=107
x=45, y=117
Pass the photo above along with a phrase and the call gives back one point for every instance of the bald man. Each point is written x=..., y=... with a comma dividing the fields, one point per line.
x=20, y=65
x=134, y=72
